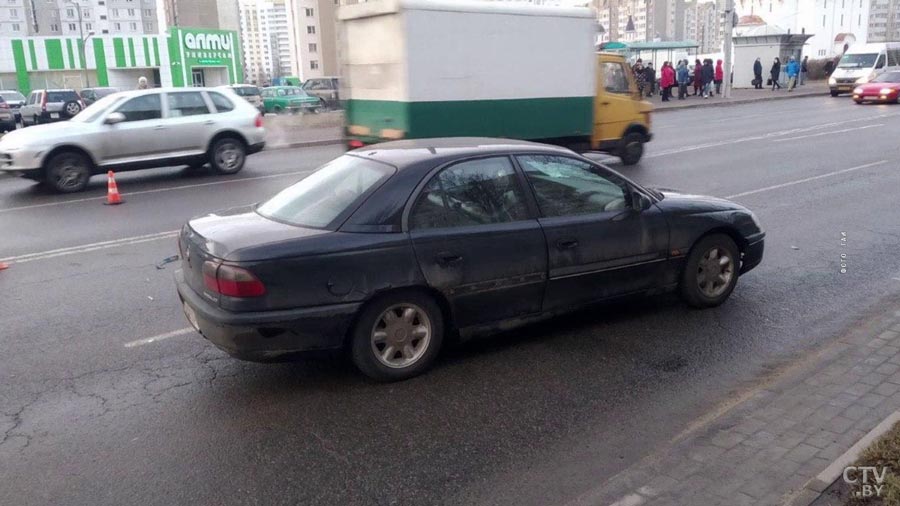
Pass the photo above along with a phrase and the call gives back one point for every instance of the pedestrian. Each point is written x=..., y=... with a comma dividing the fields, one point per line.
x=757, y=74
x=804, y=69
x=793, y=71
x=650, y=78
x=708, y=74
x=698, y=77
x=666, y=81
x=719, y=77
x=683, y=77
x=638, y=70
x=775, y=72
x=142, y=83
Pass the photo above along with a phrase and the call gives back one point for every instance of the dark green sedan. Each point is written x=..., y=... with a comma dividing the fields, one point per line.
x=282, y=99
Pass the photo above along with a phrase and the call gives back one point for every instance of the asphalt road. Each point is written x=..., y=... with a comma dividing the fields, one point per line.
x=106, y=400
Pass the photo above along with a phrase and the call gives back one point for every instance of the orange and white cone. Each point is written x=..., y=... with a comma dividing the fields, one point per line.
x=112, y=190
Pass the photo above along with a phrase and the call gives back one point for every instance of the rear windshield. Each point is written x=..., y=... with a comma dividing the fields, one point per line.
x=329, y=195
x=12, y=96
x=855, y=61
x=246, y=91
x=888, y=77
x=61, y=96
x=103, y=92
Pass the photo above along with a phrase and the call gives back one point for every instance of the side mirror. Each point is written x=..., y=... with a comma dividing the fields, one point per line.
x=640, y=202
x=114, y=118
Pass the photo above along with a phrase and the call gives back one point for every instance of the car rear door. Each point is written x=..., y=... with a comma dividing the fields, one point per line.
x=138, y=137
x=188, y=122
x=599, y=245
x=477, y=241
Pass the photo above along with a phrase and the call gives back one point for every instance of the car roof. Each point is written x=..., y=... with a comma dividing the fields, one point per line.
x=404, y=153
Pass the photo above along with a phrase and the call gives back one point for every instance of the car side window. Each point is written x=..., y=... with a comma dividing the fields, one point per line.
x=566, y=186
x=188, y=103
x=142, y=108
x=614, y=80
x=475, y=192
x=221, y=102
x=316, y=84
x=880, y=62
x=281, y=92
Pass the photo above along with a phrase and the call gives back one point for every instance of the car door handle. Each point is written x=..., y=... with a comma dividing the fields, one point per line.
x=159, y=127
x=566, y=243
x=209, y=122
x=604, y=103
x=447, y=259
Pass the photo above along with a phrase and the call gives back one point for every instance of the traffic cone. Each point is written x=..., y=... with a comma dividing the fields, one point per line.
x=112, y=190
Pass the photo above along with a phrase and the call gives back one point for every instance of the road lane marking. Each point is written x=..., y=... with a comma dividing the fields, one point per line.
x=828, y=133
x=160, y=337
x=766, y=136
x=805, y=180
x=157, y=190
x=84, y=248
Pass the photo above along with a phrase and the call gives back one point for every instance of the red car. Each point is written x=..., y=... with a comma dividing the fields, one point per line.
x=884, y=88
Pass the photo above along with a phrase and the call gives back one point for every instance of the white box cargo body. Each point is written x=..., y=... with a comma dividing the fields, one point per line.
x=437, y=68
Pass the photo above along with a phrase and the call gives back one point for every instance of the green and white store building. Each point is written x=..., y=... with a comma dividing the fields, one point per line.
x=181, y=57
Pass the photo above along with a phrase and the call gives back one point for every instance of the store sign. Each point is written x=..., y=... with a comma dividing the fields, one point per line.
x=207, y=41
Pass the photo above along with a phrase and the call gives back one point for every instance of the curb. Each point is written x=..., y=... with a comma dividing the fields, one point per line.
x=304, y=144
x=739, y=102
x=816, y=486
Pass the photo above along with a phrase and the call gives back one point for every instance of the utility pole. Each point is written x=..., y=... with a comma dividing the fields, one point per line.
x=729, y=29
x=84, y=73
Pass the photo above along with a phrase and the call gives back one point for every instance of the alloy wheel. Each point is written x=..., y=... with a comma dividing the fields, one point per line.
x=229, y=156
x=715, y=272
x=401, y=335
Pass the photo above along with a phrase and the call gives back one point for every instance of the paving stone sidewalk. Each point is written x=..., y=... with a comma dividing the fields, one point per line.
x=745, y=96
x=778, y=438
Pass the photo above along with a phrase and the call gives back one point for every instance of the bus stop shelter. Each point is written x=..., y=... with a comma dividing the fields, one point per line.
x=660, y=51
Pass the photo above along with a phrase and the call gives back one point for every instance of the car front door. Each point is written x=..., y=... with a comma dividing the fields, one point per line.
x=140, y=136
x=477, y=242
x=599, y=244
x=188, y=122
x=614, y=105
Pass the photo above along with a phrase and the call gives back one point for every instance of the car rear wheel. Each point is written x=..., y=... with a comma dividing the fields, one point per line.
x=71, y=108
x=834, y=93
x=397, y=336
x=711, y=271
x=228, y=155
x=68, y=172
x=632, y=148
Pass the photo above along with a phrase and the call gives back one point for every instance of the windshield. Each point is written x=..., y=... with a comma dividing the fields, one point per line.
x=93, y=111
x=855, y=61
x=327, y=196
x=246, y=91
x=888, y=77
x=12, y=96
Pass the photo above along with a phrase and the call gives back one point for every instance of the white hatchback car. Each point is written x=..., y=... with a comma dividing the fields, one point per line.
x=137, y=130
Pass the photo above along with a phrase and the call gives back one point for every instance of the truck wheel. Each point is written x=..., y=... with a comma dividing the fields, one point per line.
x=632, y=148
x=68, y=172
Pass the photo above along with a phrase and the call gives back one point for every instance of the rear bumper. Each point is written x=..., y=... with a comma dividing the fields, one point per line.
x=753, y=255
x=266, y=335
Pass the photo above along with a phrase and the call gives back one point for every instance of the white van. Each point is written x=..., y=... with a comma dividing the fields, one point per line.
x=861, y=63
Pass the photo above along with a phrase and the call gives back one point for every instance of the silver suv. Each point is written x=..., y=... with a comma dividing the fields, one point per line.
x=47, y=106
x=136, y=130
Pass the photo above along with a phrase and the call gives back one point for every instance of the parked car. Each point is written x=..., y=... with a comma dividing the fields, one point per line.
x=281, y=99
x=91, y=95
x=883, y=88
x=136, y=130
x=7, y=117
x=327, y=89
x=15, y=100
x=389, y=249
x=249, y=93
x=47, y=106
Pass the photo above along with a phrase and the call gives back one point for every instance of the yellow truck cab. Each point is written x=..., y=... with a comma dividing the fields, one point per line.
x=621, y=117
x=417, y=69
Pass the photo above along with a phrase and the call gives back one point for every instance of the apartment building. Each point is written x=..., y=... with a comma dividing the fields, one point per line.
x=266, y=32
x=81, y=17
x=884, y=21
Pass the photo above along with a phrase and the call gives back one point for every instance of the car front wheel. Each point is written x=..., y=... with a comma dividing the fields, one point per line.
x=228, y=155
x=398, y=336
x=68, y=172
x=711, y=271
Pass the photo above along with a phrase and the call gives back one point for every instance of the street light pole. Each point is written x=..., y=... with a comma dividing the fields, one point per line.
x=84, y=73
x=729, y=28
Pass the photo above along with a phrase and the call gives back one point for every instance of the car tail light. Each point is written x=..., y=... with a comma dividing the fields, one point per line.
x=231, y=281
x=355, y=143
x=4, y=105
x=44, y=102
x=259, y=121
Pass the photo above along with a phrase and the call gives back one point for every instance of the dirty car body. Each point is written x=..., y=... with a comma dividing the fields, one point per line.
x=495, y=232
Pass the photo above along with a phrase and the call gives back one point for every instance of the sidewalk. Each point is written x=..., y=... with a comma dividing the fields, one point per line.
x=742, y=96
x=769, y=446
